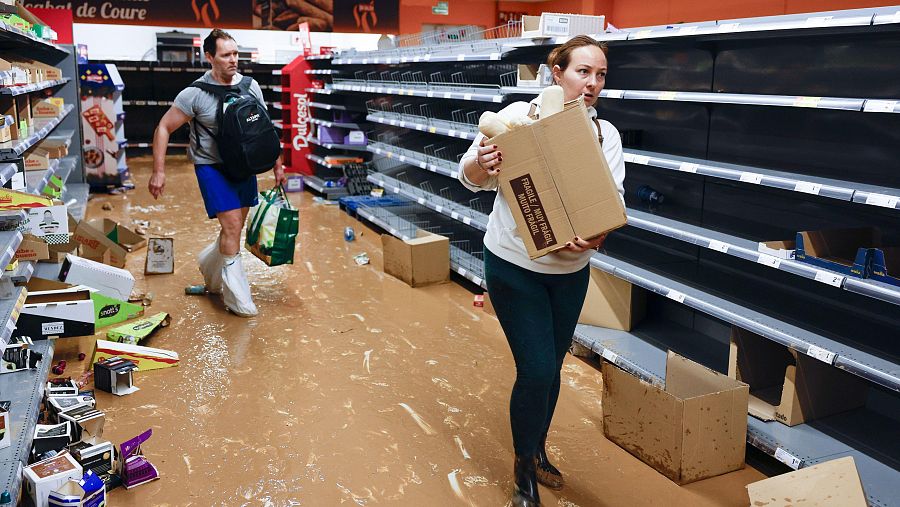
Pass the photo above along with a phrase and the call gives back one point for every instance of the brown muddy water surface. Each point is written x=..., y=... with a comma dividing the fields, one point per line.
x=350, y=388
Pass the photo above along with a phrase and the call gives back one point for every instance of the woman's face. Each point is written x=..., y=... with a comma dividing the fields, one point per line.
x=585, y=75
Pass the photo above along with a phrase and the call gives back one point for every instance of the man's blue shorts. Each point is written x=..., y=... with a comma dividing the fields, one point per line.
x=221, y=194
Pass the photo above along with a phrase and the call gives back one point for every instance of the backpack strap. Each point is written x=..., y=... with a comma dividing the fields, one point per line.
x=599, y=132
x=244, y=84
x=218, y=91
x=532, y=113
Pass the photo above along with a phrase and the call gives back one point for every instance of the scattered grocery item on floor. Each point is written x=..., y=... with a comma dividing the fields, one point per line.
x=89, y=491
x=136, y=331
x=361, y=259
x=146, y=358
x=195, y=290
x=160, y=256
x=135, y=468
x=114, y=375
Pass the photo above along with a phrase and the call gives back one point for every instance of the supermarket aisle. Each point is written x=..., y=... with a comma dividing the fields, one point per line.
x=350, y=387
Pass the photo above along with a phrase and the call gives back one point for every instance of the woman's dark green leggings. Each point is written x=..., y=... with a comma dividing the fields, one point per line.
x=538, y=314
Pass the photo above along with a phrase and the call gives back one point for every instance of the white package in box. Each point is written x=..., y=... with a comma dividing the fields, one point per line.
x=108, y=280
x=47, y=476
x=551, y=24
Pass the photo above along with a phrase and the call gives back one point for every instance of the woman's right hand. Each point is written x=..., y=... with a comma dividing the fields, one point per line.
x=489, y=158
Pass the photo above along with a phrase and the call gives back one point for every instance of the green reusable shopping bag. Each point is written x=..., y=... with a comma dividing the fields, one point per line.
x=272, y=227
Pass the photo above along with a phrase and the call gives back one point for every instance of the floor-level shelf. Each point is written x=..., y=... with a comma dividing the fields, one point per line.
x=322, y=186
x=642, y=352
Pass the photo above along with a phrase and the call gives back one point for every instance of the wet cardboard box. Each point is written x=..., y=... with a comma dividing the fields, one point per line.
x=421, y=261
x=788, y=386
x=612, y=302
x=556, y=181
x=693, y=428
x=56, y=314
x=833, y=483
x=49, y=475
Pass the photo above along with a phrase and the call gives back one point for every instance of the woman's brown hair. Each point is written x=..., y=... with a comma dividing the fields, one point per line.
x=562, y=55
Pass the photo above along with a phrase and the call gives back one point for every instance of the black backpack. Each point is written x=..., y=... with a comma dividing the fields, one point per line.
x=247, y=141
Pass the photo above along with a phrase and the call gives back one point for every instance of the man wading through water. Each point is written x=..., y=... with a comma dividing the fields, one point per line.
x=225, y=199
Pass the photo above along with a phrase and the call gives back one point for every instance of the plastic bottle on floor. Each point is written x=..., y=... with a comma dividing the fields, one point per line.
x=211, y=262
x=236, y=288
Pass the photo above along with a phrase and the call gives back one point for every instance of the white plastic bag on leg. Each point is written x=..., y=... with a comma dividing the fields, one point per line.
x=211, y=262
x=236, y=288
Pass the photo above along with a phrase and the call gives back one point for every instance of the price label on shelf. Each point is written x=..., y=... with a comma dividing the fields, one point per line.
x=829, y=278
x=826, y=356
x=769, y=260
x=668, y=95
x=807, y=187
x=688, y=30
x=728, y=27
x=818, y=21
x=787, y=458
x=610, y=356
x=807, y=101
x=718, y=246
x=421, y=200
x=467, y=96
x=460, y=58
x=365, y=61
x=754, y=178
x=427, y=57
x=643, y=34
x=447, y=95
x=688, y=167
x=886, y=201
x=641, y=159
x=494, y=56
x=880, y=106
x=676, y=296
x=615, y=94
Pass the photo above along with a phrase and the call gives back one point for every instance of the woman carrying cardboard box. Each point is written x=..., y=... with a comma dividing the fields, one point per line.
x=538, y=301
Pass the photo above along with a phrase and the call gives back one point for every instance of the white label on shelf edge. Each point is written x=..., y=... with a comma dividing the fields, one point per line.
x=880, y=106
x=615, y=94
x=467, y=220
x=439, y=208
x=787, y=458
x=829, y=278
x=769, y=260
x=640, y=159
x=886, y=201
x=688, y=167
x=667, y=95
x=460, y=58
x=688, y=30
x=610, y=356
x=495, y=56
x=467, y=96
x=728, y=27
x=675, y=295
x=826, y=356
x=818, y=21
x=476, y=280
x=807, y=187
x=807, y=101
x=447, y=95
x=718, y=246
x=754, y=178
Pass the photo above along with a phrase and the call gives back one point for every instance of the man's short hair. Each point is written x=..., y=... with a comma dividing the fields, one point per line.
x=209, y=43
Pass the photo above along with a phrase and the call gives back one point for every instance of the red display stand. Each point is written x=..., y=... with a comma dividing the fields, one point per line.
x=295, y=116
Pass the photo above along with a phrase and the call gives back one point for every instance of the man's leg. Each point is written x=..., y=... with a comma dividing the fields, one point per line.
x=236, y=287
x=232, y=222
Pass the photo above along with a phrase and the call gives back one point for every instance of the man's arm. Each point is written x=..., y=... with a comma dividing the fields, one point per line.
x=170, y=122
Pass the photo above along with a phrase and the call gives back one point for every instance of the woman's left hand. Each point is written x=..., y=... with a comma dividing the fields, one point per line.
x=579, y=245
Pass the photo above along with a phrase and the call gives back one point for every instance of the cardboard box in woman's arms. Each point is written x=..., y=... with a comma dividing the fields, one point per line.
x=556, y=181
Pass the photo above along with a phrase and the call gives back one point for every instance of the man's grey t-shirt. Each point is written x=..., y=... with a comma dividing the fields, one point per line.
x=201, y=107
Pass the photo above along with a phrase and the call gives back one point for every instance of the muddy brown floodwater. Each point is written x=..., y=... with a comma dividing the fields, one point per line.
x=349, y=388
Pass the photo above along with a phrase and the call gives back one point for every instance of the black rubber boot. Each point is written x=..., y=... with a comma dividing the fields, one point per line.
x=525, y=489
x=547, y=474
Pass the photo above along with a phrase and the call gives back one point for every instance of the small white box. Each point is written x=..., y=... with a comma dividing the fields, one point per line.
x=49, y=475
x=534, y=76
x=5, y=428
x=550, y=24
x=108, y=280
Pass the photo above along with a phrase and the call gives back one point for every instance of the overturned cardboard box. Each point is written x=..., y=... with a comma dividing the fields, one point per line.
x=421, y=261
x=788, y=386
x=56, y=314
x=833, y=483
x=694, y=428
x=96, y=246
x=556, y=181
x=612, y=302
